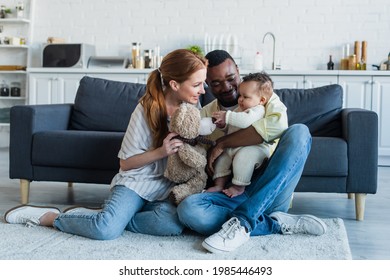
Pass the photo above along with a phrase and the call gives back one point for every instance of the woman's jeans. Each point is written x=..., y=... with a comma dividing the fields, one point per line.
x=124, y=210
x=271, y=190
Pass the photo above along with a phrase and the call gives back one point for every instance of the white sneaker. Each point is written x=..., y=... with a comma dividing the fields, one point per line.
x=230, y=237
x=27, y=214
x=82, y=210
x=305, y=224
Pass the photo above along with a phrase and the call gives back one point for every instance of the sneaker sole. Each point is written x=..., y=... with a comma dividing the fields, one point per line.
x=213, y=249
x=55, y=209
x=318, y=220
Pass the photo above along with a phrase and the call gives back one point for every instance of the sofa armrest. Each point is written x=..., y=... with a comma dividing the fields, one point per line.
x=25, y=121
x=360, y=130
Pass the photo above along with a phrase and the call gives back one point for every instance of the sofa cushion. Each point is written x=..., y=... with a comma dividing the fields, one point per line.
x=328, y=157
x=104, y=105
x=318, y=108
x=77, y=149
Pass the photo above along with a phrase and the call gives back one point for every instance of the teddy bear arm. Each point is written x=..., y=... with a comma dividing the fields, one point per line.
x=193, y=157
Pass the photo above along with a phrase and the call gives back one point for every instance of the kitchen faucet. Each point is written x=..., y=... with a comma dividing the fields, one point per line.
x=273, y=51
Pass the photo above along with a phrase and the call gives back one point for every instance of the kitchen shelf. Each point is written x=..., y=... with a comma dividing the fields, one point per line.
x=12, y=97
x=14, y=46
x=13, y=71
x=14, y=20
x=14, y=59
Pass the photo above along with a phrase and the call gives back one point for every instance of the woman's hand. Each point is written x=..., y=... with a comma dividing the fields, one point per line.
x=170, y=144
x=169, y=147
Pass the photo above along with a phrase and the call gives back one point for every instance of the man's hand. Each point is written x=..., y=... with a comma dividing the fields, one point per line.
x=214, y=153
x=243, y=137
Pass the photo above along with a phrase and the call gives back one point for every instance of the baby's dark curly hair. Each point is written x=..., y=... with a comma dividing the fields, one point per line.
x=264, y=81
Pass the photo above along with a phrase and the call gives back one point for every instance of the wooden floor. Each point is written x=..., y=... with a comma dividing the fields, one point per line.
x=368, y=239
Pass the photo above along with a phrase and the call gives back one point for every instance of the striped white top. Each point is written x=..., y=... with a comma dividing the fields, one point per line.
x=147, y=181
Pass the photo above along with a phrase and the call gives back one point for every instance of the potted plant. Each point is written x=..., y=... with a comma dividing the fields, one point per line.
x=196, y=49
x=5, y=12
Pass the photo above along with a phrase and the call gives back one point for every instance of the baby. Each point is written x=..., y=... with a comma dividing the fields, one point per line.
x=255, y=91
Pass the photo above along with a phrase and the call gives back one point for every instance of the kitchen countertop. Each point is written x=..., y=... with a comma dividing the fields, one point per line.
x=242, y=71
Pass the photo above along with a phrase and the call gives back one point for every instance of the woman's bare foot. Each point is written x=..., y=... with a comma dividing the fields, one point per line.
x=47, y=219
x=233, y=191
x=214, y=189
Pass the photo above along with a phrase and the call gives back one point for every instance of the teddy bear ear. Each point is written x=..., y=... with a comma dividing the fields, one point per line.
x=181, y=112
x=179, y=116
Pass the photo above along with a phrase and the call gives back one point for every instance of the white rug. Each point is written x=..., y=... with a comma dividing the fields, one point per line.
x=41, y=243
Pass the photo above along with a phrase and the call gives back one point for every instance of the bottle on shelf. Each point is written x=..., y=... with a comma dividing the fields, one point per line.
x=157, y=58
x=20, y=10
x=352, y=62
x=363, y=61
x=357, y=49
x=388, y=62
x=135, y=52
x=345, y=58
x=330, y=64
x=258, y=64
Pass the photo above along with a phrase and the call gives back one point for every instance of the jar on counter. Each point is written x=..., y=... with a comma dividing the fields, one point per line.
x=135, y=53
x=148, y=58
x=15, y=89
x=388, y=62
x=4, y=89
x=20, y=10
x=2, y=11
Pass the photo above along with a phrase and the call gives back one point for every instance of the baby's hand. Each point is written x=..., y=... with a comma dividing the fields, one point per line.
x=219, y=117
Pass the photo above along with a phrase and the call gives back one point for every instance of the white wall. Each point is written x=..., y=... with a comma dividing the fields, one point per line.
x=306, y=31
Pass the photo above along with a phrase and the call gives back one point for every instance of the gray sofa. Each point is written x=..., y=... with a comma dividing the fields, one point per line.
x=79, y=142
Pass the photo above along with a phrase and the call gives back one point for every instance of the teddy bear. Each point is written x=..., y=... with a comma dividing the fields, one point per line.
x=186, y=167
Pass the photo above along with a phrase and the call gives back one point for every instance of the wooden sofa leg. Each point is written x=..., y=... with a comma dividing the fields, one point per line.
x=351, y=196
x=24, y=190
x=360, y=203
x=291, y=201
x=70, y=184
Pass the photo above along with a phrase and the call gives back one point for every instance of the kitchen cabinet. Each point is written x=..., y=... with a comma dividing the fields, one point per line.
x=53, y=88
x=380, y=104
x=371, y=92
x=312, y=81
x=125, y=77
x=302, y=81
x=357, y=91
x=48, y=86
x=290, y=81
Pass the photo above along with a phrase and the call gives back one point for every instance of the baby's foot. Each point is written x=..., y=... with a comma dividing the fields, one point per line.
x=234, y=191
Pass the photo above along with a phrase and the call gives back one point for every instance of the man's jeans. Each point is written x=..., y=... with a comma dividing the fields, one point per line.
x=269, y=191
x=124, y=210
